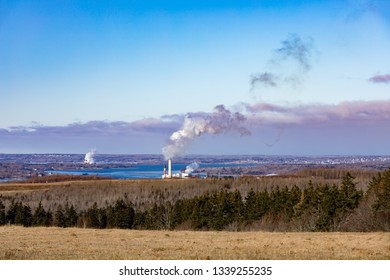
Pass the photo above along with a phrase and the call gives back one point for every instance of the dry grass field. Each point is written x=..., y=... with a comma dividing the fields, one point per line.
x=90, y=244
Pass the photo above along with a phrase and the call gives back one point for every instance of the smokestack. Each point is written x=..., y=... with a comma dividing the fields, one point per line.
x=169, y=168
x=165, y=171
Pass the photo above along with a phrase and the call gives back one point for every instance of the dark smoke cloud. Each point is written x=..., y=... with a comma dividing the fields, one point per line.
x=380, y=79
x=298, y=49
x=266, y=78
x=294, y=48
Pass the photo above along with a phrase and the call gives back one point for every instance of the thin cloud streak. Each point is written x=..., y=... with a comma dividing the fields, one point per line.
x=380, y=79
x=97, y=128
x=322, y=114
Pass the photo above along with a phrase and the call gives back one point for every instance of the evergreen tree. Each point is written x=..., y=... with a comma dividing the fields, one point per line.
x=71, y=216
x=200, y=212
x=237, y=216
x=97, y=217
x=251, y=209
x=182, y=210
x=308, y=202
x=328, y=203
x=220, y=210
x=121, y=215
x=151, y=218
x=349, y=195
x=379, y=194
x=59, y=217
x=382, y=185
x=140, y=218
x=375, y=182
x=235, y=200
x=263, y=203
x=41, y=217
x=19, y=213
x=294, y=196
x=27, y=216
x=306, y=211
x=279, y=201
x=92, y=215
x=178, y=215
x=11, y=213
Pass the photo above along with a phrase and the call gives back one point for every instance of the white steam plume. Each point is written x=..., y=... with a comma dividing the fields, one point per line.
x=220, y=121
x=89, y=157
x=191, y=168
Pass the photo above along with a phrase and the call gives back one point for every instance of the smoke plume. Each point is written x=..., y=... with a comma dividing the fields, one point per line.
x=191, y=168
x=89, y=157
x=297, y=49
x=277, y=139
x=260, y=115
x=294, y=49
x=266, y=78
x=220, y=121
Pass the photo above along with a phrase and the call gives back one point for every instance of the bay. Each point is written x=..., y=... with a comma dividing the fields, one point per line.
x=142, y=171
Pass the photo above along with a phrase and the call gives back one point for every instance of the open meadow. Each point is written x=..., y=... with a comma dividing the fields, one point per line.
x=52, y=243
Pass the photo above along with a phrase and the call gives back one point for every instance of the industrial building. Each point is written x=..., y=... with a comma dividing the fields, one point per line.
x=183, y=174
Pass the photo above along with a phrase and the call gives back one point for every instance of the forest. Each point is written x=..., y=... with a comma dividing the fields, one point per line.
x=311, y=206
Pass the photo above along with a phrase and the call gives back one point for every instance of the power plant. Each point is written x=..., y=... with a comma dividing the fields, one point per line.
x=183, y=174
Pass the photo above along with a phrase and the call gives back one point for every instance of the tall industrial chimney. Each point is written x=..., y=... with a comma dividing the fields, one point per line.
x=169, y=168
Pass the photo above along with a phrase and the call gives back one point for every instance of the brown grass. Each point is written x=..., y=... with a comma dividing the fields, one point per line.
x=91, y=244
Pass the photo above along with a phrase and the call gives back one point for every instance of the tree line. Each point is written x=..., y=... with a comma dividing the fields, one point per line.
x=317, y=207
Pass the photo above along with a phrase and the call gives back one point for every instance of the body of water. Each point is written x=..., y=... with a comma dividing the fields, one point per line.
x=147, y=171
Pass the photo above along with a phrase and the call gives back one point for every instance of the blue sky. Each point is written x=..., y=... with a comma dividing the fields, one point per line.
x=120, y=76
